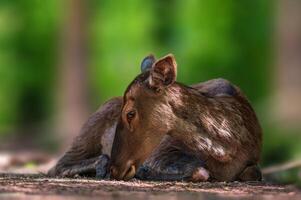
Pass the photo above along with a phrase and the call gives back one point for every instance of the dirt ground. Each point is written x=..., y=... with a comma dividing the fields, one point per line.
x=35, y=186
x=21, y=180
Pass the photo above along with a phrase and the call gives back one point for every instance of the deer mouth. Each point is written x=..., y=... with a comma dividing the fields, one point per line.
x=125, y=174
x=130, y=173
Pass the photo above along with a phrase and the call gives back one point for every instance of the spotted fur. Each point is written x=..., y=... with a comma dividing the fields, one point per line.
x=206, y=131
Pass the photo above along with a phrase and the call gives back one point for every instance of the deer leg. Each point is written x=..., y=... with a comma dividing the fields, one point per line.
x=89, y=167
x=250, y=173
x=198, y=174
x=83, y=168
x=184, y=168
x=169, y=163
x=102, y=167
x=84, y=155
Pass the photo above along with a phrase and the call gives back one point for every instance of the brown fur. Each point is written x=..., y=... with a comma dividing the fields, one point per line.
x=208, y=130
x=219, y=128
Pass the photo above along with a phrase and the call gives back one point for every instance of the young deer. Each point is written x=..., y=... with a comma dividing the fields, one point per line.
x=164, y=130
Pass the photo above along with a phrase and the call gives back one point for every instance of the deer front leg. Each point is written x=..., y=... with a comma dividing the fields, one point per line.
x=84, y=167
x=169, y=163
x=185, y=168
x=102, y=167
x=93, y=166
x=95, y=139
x=199, y=174
x=71, y=165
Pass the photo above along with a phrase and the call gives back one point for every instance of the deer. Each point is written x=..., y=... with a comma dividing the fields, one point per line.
x=164, y=130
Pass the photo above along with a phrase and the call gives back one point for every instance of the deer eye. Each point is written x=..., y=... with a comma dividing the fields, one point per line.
x=130, y=115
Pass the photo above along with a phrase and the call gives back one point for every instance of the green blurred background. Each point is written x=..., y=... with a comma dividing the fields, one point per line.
x=60, y=60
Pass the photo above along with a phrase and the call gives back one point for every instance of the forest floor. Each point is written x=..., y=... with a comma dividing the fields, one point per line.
x=37, y=186
x=20, y=179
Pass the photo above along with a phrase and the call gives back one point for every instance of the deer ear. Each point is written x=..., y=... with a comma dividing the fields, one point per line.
x=147, y=63
x=163, y=72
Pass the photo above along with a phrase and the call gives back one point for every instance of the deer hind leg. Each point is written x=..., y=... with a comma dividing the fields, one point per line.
x=168, y=163
x=251, y=173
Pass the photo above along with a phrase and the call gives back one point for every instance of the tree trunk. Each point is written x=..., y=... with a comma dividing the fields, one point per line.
x=72, y=87
x=288, y=81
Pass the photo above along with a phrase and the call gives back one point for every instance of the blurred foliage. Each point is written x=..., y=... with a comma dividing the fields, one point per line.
x=28, y=38
x=209, y=38
x=280, y=145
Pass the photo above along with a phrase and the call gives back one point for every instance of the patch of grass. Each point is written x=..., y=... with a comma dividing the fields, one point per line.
x=30, y=165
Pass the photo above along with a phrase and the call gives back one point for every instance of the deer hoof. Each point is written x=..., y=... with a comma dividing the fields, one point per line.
x=102, y=166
